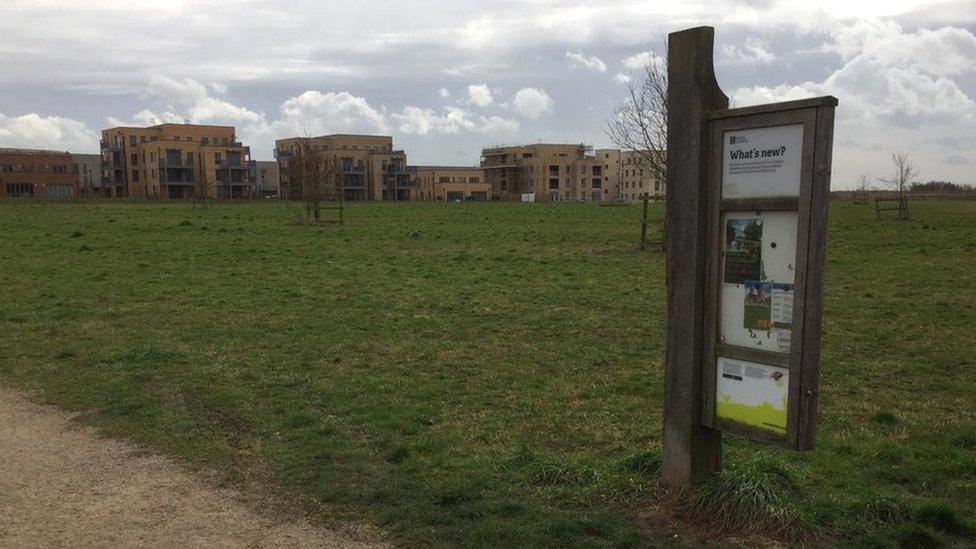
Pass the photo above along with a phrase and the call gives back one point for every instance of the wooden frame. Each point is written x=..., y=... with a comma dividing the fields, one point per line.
x=817, y=118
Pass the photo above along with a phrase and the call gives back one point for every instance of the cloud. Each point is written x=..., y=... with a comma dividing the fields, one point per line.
x=579, y=60
x=444, y=93
x=957, y=160
x=46, y=132
x=480, y=95
x=331, y=112
x=623, y=78
x=940, y=52
x=532, y=103
x=889, y=75
x=193, y=98
x=752, y=51
x=416, y=120
x=641, y=60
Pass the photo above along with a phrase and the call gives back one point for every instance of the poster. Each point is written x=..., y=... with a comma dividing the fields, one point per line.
x=757, y=307
x=752, y=394
x=756, y=290
x=743, y=250
x=762, y=162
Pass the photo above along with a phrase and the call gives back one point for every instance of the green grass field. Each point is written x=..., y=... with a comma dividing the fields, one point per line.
x=488, y=374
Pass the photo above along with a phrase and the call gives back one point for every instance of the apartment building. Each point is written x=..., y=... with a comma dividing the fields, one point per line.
x=30, y=173
x=175, y=161
x=628, y=180
x=370, y=168
x=89, y=168
x=551, y=172
x=452, y=183
x=267, y=181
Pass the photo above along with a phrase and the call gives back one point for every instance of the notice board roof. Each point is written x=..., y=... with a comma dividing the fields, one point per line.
x=825, y=101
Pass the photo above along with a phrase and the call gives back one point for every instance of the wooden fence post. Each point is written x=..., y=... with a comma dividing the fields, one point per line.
x=691, y=451
x=643, y=240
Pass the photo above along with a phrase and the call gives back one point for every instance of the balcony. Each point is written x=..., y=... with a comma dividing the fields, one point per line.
x=173, y=172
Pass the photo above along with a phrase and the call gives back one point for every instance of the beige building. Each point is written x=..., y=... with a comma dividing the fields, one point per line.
x=627, y=179
x=175, y=161
x=450, y=183
x=370, y=168
x=550, y=172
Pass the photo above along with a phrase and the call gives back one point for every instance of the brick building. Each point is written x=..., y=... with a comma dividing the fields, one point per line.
x=29, y=173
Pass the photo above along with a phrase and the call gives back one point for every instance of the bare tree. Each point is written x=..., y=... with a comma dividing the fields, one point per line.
x=204, y=187
x=640, y=122
x=863, y=182
x=317, y=176
x=904, y=173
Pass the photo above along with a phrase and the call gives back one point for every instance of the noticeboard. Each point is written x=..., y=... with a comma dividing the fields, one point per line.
x=769, y=184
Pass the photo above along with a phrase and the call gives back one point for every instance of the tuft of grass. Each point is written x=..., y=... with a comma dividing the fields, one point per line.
x=883, y=509
x=85, y=248
x=757, y=497
x=915, y=536
x=644, y=463
x=943, y=517
x=77, y=234
x=885, y=417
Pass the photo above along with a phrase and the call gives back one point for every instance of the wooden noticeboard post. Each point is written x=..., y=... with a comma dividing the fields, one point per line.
x=747, y=212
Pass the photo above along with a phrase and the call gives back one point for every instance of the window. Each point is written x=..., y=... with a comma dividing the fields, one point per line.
x=553, y=184
x=474, y=179
x=189, y=158
x=443, y=179
x=58, y=168
x=59, y=191
x=205, y=141
x=134, y=159
x=132, y=140
x=135, y=176
x=20, y=190
x=142, y=139
x=597, y=182
x=6, y=168
x=217, y=158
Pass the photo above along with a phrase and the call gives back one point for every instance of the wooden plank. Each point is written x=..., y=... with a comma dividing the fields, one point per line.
x=713, y=282
x=691, y=451
x=752, y=433
x=799, y=104
x=785, y=203
x=770, y=358
x=814, y=278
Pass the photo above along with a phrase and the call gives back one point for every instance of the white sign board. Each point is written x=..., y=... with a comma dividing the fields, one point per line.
x=757, y=280
x=528, y=197
x=762, y=162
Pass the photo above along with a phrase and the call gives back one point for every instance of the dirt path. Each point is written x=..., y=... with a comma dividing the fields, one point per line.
x=62, y=486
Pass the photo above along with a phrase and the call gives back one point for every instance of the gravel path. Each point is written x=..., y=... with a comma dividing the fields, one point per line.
x=62, y=486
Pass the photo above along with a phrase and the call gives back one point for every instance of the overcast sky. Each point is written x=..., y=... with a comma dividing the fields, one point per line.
x=447, y=78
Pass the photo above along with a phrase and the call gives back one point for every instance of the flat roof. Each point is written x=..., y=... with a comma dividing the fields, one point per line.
x=32, y=151
x=428, y=168
x=160, y=126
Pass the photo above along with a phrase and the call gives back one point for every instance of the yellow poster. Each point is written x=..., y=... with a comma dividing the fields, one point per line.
x=752, y=394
